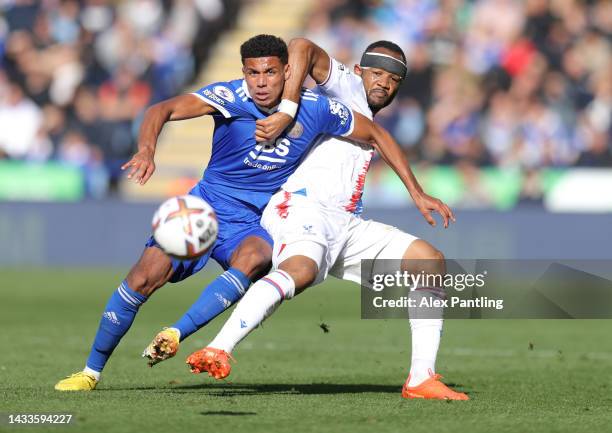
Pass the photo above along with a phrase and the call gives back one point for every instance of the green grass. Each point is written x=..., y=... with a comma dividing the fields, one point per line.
x=290, y=375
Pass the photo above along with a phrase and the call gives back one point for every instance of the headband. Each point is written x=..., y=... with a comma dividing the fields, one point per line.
x=384, y=61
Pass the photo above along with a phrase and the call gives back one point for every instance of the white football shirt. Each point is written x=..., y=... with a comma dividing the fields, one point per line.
x=334, y=171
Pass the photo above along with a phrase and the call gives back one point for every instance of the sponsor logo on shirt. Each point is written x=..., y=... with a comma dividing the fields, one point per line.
x=340, y=110
x=269, y=156
x=210, y=95
x=224, y=92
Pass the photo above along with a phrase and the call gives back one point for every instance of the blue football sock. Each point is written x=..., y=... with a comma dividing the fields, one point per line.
x=218, y=296
x=116, y=320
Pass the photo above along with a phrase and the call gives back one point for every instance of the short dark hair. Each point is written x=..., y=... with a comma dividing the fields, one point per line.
x=391, y=46
x=264, y=46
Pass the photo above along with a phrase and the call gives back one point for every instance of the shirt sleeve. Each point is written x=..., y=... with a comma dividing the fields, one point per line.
x=222, y=97
x=336, y=118
x=339, y=80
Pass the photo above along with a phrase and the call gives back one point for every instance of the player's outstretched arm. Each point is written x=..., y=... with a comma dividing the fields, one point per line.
x=305, y=58
x=181, y=107
x=367, y=131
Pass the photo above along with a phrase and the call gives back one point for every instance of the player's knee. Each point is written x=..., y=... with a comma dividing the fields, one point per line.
x=258, y=262
x=302, y=269
x=151, y=272
x=253, y=262
x=436, y=254
x=143, y=282
x=139, y=282
x=422, y=256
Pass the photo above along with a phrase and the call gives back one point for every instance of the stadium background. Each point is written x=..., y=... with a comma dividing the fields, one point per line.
x=505, y=115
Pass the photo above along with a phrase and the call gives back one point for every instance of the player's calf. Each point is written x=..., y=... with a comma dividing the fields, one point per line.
x=152, y=271
x=426, y=323
x=260, y=301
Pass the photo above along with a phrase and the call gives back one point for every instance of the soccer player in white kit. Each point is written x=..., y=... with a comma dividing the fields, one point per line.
x=314, y=219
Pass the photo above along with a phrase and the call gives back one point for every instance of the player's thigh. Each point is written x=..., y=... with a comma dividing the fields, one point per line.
x=153, y=270
x=305, y=236
x=381, y=247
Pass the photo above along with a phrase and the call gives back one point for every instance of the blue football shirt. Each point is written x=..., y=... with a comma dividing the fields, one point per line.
x=250, y=172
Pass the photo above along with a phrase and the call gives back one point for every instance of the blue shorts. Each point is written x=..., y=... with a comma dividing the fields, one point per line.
x=237, y=219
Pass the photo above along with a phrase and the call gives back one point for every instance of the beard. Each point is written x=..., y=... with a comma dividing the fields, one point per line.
x=378, y=100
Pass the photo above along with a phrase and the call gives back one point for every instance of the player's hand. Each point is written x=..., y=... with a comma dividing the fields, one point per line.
x=141, y=166
x=272, y=126
x=427, y=204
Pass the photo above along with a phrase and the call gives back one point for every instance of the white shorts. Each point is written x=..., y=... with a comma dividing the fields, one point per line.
x=346, y=239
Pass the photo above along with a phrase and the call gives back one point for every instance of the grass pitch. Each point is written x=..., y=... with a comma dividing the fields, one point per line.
x=522, y=376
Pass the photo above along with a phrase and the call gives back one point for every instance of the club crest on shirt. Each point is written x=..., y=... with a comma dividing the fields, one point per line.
x=224, y=93
x=339, y=110
x=296, y=130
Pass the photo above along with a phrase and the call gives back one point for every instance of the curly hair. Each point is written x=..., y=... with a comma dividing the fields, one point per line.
x=265, y=46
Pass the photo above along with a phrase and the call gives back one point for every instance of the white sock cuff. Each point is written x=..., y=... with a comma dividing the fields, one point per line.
x=282, y=282
x=94, y=373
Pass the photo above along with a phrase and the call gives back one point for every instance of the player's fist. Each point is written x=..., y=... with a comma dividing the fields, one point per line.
x=271, y=127
x=141, y=166
x=427, y=204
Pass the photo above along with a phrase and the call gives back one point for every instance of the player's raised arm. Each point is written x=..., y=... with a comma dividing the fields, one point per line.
x=181, y=107
x=367, y=131
x=305, y=58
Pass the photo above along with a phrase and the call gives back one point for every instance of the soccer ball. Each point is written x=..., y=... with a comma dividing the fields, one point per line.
x=185, y=227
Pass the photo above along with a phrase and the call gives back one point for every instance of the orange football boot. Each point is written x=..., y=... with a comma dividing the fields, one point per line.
x=214, y=361
x=432, y=388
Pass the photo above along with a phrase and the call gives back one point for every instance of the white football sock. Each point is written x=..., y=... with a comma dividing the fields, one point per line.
x=425, y=343
x=94, y=373
x=258, y=303
x=426, y=326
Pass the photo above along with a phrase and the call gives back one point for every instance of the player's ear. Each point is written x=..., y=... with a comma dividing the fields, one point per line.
x=287, y=71
x=358, y=70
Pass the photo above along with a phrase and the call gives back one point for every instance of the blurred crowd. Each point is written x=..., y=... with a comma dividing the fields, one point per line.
x=76, y=76
x=509, y=83
x=524, y=84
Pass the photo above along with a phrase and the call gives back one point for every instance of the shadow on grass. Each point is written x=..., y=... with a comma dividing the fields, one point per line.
x=227, y=413
x=226, y=389
x=229, y=389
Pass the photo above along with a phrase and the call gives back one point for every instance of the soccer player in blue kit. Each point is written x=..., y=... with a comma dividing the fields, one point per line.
x=240, y=178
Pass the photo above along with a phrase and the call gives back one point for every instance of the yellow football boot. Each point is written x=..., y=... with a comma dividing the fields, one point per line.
x=80, y=381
